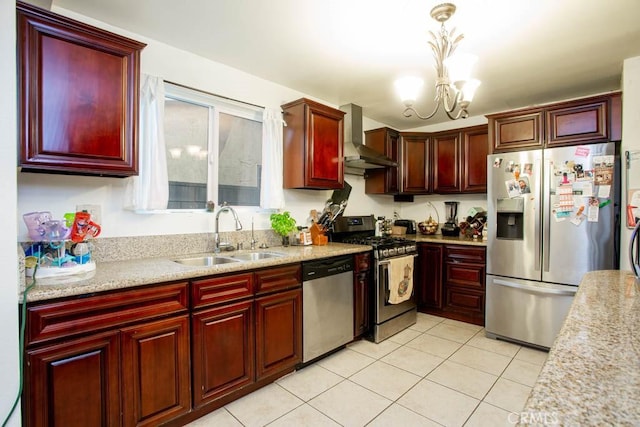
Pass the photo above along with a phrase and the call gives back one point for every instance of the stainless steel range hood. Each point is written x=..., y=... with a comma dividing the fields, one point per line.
x=359, y=157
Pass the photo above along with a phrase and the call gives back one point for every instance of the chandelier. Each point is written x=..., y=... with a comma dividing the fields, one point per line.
x=454, y=87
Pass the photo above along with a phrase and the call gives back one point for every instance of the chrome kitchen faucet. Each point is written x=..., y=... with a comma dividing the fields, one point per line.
x=216, y=235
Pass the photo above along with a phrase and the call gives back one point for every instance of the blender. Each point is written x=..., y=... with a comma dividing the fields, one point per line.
x=450, y=227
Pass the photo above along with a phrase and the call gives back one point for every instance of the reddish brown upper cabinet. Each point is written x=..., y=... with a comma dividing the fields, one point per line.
x=78, y=96
x=460, y=160
x=411, y=151
x=386, y=141
x=581, y=121
x=475, y=148
x=415, y=165
x=446, y=162
x=313, y=146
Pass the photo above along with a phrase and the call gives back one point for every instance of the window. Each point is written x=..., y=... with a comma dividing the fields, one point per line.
x=214, y=149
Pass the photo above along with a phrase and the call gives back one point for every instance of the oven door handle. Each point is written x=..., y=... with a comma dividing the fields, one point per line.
x=387, y=262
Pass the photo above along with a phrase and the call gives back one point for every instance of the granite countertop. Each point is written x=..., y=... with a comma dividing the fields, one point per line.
x=136, y=272
x=439, y=238
x=592, y=374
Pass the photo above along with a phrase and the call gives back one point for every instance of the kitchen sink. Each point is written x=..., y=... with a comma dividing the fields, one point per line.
x=256, y=256
x=206, y=261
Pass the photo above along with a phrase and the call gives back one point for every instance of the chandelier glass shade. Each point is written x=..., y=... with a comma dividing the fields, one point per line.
x=454, y=86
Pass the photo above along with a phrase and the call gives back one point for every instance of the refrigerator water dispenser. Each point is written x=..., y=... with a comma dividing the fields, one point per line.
x=510, y=216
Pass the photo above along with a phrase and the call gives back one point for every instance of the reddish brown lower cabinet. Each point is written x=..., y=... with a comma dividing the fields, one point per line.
x=156, y=383
x=361, y=293
x=464, y=278
x=278, y=332
x=130, y=357
x=111, y=359
x=223, y=351
x=451, y=281
x=74, y=383
x=429, y=292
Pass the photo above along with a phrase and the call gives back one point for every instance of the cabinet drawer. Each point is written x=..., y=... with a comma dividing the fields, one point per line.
x=465, y=254
x=278, y=278
x=219, y=289
x=460, y=299
x=76, y=316
x=465, y=275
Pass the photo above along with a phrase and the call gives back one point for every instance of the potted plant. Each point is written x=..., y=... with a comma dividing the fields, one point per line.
x=283, y=224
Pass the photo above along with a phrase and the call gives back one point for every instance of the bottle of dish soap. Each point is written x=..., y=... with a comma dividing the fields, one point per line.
x=379, y=226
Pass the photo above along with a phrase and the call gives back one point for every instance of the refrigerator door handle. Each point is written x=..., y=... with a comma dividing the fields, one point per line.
x=538, y=215
x=546, y=217
x=535, y=289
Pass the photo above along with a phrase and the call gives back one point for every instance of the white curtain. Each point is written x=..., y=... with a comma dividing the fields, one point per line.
x=271, y=192
x=150, y=189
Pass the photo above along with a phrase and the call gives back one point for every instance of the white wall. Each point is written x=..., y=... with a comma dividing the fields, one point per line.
x=60, y=194
x=8, y=256
x=630, y=138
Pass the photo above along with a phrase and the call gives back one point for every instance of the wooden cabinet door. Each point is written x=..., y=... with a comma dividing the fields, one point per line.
x=361, y=293
x=446, y=163
x=78, y=96
x=278, y=332
x=475, y=148
x=430, y=276
x=313, y=145
x=156, y=374
x=223, y=351
x=325, y=163
x=579, y=122
x=385, y=180
x=75, y=383
x=361, y=296
x=414, y=148
x=520, y=130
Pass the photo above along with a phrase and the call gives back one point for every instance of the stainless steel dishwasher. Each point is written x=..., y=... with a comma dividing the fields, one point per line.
x=327, y=305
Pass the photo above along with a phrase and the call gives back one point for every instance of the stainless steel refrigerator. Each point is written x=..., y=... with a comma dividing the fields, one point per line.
x=552, y=216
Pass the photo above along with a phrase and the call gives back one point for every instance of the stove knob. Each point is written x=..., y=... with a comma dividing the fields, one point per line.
x=385, y=252
x=401, y=250
x=393, y=251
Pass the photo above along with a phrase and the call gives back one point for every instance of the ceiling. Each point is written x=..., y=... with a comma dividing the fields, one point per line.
x=351, y=51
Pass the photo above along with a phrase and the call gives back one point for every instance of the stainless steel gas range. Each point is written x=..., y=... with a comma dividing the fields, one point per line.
x=388, y=318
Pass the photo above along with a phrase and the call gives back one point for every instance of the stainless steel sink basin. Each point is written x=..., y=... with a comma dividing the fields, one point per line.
x=256, y=256
x=206, y=261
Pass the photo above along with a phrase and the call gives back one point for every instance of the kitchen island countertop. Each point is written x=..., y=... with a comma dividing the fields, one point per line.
x=136, y=272
x=592, y=373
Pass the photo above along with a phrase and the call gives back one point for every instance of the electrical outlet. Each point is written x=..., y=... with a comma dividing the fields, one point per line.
x=94, y=210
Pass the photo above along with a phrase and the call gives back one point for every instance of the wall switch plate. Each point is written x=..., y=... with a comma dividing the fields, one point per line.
x=94, y=210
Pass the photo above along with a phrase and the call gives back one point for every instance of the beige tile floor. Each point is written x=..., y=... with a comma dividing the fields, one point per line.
x=437, y=372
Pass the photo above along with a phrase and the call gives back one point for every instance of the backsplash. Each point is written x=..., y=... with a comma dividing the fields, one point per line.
x=125, y=248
